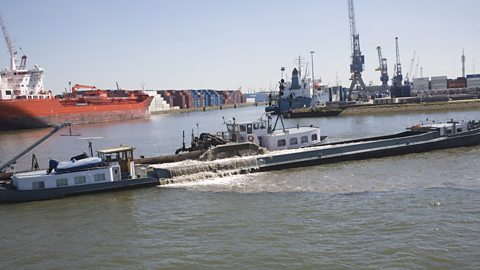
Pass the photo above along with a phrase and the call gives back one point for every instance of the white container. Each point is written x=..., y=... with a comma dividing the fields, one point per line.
x=439, y=78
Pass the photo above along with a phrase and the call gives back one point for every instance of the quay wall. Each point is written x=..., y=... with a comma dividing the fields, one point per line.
x=413, y=107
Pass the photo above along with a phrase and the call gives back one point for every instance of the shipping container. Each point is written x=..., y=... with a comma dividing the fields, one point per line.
x=457, y=83
x=473, y=82
x=438, y=78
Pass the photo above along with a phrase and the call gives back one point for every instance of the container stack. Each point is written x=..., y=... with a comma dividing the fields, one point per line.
x=459, y=82
x=227, y=97
x=168, y=96
x=179, y=99
x=438, y=83
x=189, y=99
x=473, y=80
x=196, y=99
x=421, y=84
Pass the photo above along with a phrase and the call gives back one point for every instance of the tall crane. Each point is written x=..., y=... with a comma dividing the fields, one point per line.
x=407, y=78
x=397, y=76
x=416, y=69
x=8, y=40
x=382, y=67
x=358, y=60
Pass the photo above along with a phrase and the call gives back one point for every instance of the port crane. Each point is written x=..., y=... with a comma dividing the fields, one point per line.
x=397, y=76
x=407, y=77
x=382, y=67
x=82, y=86
x=11, y=48
x=358, y=59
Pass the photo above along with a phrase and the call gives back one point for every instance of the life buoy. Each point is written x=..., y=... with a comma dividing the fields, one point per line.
x=250, y=138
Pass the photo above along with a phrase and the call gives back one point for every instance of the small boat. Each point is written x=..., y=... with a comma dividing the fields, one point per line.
x=292, y=95
x=113, y=169
x=262, y=133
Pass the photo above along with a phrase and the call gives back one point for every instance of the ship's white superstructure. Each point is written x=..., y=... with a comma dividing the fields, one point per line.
x=17, y=81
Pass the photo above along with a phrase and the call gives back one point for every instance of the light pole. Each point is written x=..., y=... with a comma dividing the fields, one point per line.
x=282, y=69
x=313, y=74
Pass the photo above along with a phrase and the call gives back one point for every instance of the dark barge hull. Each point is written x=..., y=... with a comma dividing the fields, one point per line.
x=9, y=194
x=302, y=113
x=375, y=147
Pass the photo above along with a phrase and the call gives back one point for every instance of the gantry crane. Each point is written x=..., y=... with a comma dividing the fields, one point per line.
x=382, y=67
x=358, y=60
x=397, y=76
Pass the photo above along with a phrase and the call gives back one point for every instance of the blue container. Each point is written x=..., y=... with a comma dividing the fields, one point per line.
x=473, y=76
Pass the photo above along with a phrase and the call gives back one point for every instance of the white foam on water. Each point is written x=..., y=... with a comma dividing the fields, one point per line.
x=217, y=181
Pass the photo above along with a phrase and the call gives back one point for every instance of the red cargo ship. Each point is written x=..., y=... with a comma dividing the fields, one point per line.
x=84, y=107
x=25, y=104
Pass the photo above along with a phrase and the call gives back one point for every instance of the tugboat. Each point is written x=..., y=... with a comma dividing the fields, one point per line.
x=113, y=169
x=261, y=133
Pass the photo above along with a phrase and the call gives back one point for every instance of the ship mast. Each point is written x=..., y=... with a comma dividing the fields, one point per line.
x=11, y=48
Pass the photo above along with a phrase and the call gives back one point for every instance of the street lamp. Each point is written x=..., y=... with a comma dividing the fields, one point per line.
x=282, y=69
x=313, y=74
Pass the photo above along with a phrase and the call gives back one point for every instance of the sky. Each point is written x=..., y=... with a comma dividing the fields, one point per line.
x=227, y=44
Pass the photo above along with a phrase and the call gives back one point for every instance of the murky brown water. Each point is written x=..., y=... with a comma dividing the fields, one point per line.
x=418, y=211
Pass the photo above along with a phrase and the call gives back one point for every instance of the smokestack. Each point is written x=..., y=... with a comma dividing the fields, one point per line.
x=463, y=63
x=295, y=82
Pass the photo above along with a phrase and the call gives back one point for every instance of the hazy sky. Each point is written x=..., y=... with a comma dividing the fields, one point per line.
x=226, y=44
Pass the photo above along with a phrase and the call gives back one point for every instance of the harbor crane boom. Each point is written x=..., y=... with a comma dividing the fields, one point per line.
x=416, y=69
x=397, y=76
x=8, y=40
x=358, y=59
x=382, y=67
x=412, y=62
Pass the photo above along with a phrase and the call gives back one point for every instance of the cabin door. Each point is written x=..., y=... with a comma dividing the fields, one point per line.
x=125, y=158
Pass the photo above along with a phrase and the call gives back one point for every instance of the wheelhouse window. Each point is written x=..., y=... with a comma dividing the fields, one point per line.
x=293, y=141
x=38, y=185
x=304, y=139
x=281, y=142
x=99, y=177
x=243, y=128
x=255, y=126
x=63, y=182
x=314, y=137
x=80, y=180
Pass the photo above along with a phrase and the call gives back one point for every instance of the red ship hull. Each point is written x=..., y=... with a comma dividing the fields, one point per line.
x=37, y=113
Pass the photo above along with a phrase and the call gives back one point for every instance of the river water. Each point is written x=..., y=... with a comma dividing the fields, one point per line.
x=417, y=211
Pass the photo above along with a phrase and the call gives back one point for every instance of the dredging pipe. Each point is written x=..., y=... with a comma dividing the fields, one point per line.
x=31, y=147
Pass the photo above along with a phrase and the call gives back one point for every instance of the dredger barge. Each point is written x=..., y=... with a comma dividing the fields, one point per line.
x=417, y=139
